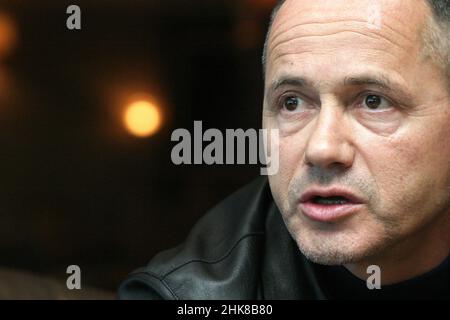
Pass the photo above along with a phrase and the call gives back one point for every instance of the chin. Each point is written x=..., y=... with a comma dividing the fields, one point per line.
x=330, y=257
x=340, y=249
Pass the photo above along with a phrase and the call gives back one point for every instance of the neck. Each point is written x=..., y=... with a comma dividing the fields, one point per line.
x=411, y=257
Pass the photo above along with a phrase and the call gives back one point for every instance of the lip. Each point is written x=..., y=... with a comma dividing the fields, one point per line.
x=329, y=213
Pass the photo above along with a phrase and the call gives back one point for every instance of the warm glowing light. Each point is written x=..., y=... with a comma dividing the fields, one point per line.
x=142, y=118
x=8, y=34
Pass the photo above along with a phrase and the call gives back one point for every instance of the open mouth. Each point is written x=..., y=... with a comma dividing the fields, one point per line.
x=329, y=205
x=333, y=200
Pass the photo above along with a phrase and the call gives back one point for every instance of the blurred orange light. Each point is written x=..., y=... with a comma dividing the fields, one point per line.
x=8, y=34
x=142, y=118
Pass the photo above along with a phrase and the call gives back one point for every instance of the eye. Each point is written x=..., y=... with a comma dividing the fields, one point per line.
x=292, y=103
x=376, y=102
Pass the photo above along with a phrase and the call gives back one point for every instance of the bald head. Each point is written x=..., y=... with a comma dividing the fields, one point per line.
x=435, y=34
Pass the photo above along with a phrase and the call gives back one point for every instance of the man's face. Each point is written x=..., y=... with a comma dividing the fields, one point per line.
x=364, y=123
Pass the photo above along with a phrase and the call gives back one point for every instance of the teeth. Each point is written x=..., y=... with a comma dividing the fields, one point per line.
x=330, y=200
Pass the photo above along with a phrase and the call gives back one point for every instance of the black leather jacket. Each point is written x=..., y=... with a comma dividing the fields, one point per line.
x=240, y=249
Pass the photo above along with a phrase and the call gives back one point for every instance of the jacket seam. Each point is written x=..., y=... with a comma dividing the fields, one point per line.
x=261, y=233
x=164, y=283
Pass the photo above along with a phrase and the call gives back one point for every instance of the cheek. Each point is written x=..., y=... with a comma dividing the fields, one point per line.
x=410, y=169
x=290, y=157
x=394, y=166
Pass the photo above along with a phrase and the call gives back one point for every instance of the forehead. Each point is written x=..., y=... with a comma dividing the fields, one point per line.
x=337, y=32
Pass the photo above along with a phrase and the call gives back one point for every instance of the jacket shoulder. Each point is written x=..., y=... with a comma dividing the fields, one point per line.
x=219, y=259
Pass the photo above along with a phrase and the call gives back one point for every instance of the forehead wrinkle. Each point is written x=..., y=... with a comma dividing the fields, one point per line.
x=278, y=52
x=290, y=29
x=371, y=36
x=293, y=35
x=402, y=34
x=279, y=25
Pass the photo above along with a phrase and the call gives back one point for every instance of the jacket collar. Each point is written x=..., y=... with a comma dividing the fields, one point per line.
x=287, y=273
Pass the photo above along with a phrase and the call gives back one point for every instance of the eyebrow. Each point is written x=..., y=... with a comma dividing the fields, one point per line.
x=290, y=81
x=378, y=80
x=383, y=82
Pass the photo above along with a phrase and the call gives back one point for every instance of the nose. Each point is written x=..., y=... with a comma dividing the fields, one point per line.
x=329, y=144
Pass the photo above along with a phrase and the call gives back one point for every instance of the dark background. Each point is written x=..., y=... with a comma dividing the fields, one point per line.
x=75, y=186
